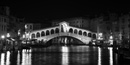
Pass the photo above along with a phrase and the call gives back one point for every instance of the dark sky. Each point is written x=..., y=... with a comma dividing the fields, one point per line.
x=42, y=11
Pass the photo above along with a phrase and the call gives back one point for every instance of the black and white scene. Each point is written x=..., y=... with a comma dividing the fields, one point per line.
x=40, y=33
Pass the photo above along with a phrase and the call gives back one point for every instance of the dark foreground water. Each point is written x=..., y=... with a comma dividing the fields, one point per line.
x=61, y=55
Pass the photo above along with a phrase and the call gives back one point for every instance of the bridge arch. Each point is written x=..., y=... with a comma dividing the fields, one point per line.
x=75, y=39
x=57, y=30
x=47, y=32
x=75, y=31
x=71, y=30
x=33, y=35
x=80, y=32
x=89, y=34
x=85, y=33
x=42, y=33
x=94, y=36
x=38, y=34
x=52, y=31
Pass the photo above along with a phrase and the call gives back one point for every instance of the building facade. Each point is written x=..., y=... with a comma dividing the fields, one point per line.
x=4, y=19
x=79, y=22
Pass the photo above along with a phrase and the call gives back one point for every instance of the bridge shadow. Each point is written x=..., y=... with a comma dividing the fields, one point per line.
x=60, y=41
x=64, y=41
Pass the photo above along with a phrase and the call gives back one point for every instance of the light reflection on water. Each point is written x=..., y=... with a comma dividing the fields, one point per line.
x=99, y=56
x=65, y=55
x=72, y=55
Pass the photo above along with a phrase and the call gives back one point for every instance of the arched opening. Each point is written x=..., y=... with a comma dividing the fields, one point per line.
x=33, y=36
x=47, y=32
x=52, y=31
x=65, y=40
x=75, y=31
x=89, y=34
x=38, y=34
x=42, y=33
x=57, y=30
x=85, y=33
x=71, y=30
x=80, y=32
x=94, y=36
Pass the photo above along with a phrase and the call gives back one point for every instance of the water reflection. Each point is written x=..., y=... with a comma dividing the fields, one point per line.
x=111, y=56
x=26, y=58
x=99, y=56
x=66, y=55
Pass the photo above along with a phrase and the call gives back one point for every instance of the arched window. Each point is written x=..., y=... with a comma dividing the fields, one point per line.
x=57, y=30
x=38, y=34
x=33, y=36
x=71, y=30
x=47, y=32
x=89, y=35
x=42, y=33
x=94, y=36
x=52, y=31
x=75, y=31
x=85, y=33
x=80, y=32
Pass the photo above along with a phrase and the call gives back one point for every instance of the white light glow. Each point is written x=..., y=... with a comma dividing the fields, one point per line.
x=8, y=35
x=65, y=49
x=2, y=59
x=111, y=56
x=65, y=56
x=8, y=58
x=111, y=37
x=99, y=56
x=23, y=36
x=26, y=59
x=2, y=36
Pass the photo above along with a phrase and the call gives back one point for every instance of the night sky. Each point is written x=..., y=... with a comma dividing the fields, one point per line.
x=42, y=11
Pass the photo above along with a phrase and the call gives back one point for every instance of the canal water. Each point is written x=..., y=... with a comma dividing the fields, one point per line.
x=61, y=55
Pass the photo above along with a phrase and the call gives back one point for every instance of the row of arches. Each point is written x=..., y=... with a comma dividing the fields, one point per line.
x=57, y=30
x=45, y=33
x=84, y=33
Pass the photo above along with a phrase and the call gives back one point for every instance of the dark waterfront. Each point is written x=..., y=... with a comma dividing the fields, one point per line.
x=61, y=55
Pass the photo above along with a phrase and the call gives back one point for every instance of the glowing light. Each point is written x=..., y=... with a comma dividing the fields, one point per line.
x=23, y=36
x=111, y=37
x=8, y=58
x=8, y=35
x=100, y=36
x=99, y=56
x=65, y=56
x=2, y=59
x=26, y=27
x=2, y=36
x=65, y=49
x=111, y=56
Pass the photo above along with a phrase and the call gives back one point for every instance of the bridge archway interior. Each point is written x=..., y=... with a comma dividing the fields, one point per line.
x=64, y=40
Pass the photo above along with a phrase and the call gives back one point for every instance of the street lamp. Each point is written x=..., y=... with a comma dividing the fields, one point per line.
x=3, y=37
